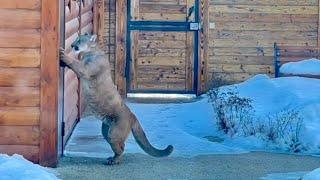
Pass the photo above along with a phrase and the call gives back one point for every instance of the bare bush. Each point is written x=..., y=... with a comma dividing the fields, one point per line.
x=235, y=115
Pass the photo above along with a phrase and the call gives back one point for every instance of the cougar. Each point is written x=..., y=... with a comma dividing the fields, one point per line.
x=102, y=97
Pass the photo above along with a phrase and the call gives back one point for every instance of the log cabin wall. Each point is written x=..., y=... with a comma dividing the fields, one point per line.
x=71, y=83
x=78, y=20
x=20, y=77
x=242, y=34
x=29, y=42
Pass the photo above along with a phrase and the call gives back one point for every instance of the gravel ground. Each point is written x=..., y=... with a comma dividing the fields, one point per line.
x=138, y=166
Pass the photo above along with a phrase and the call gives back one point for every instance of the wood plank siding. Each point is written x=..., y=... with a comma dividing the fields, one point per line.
x=243, y=32
x=20, y=77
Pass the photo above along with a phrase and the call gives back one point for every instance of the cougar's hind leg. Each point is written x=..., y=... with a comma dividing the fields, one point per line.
x=118, y=148
x=105, y=130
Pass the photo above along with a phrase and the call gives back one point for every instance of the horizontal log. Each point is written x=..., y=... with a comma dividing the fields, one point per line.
x=27, y=151
x=236, y=60
x=154, y=52
x=13, y=57
x=172, y=36
x=87, y=29
x=19, y=96
x=162, y=44
x=156, y=2
x=161, y=86
x=263, y=17
x=18, y=4
x=241, y=51
x=19, y=116
x=274, y=9
x=163, y=8
x=87, y=5
x=19, y=135
x=72, y=11
x=19, y=19
x=266, y=2
x=262, y=26
x=259, y=43
x=161, y=60
x=19, y=38
x=20, y=77
x=264, y=35
x=162, y=17
x=72, y=27
x=86, y=19
x=240, y=68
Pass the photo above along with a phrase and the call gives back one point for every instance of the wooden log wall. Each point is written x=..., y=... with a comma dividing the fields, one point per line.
x=20, y=77
x=29, y=64
x=242, y=34
x=78, y=20
x=71, y=83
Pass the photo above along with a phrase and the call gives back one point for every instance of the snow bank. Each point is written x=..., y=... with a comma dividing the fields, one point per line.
x=273, y=95
x=17, y=168
x=304, y=67
x=312, y=175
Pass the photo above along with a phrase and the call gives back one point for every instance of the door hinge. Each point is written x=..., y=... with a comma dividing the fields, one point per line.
x=63, y=128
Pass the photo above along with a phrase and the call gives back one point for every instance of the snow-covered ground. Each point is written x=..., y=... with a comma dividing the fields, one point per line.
x=314, y=175
x=17, y=168
x=304, y=67
x=191, y=128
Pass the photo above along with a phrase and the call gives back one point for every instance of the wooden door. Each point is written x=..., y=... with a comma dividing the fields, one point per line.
x=162, y=43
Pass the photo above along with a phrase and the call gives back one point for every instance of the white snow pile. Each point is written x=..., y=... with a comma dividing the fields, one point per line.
x=17, y=168
x=272, y=96
x=304, y=67
x=313, y=175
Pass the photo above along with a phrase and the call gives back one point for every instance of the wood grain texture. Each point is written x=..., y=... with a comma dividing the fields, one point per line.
x=29, y=152
x=19, y=116
x=50, y=31
x=19, y=135
x=19, y=38
x=18, y=4
x=20, y=77
x=19, y=96
x=19, y=19
x=15, y=57
x=121, y=16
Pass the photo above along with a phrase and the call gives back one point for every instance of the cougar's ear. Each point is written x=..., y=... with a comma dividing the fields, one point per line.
x=93, y=38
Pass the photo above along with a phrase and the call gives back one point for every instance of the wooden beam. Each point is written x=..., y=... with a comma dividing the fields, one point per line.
x=121, y=27
x=203, y=43
x=50, y=32
x=98, y=21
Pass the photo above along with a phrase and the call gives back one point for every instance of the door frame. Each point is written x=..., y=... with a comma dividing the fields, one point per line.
x=163, y=26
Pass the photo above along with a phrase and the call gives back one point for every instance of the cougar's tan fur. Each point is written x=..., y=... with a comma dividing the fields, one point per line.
x=103, y=99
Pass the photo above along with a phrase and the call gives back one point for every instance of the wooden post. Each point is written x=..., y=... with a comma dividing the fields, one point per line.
x=203, y=43
x=98, y=20
x=50, y=29
x=121, y=28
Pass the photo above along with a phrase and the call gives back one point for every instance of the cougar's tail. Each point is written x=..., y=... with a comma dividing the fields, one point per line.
x=143, y=142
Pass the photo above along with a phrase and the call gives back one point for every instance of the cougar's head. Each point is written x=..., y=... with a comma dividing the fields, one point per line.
x=84, y=43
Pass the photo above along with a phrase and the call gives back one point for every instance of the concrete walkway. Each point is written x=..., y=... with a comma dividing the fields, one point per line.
x=137, y=166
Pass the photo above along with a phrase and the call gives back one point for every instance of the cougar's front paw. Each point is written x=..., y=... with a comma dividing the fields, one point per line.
x=112, y=161
x=63, y=56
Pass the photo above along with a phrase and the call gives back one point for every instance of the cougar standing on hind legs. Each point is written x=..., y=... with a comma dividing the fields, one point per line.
x=103, y=99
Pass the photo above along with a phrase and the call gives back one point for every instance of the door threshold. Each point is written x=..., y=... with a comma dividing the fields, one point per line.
x=161, y=96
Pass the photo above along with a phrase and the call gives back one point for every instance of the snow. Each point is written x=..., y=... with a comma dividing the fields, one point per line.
x=191, y=128
x=315, y=174
x=304, y=67
x=17, y=168
x=271, y=95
